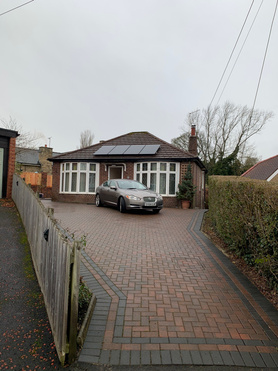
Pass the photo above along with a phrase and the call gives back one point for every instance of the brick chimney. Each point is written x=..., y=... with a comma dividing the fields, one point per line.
x=192, y=146
x=44, y=153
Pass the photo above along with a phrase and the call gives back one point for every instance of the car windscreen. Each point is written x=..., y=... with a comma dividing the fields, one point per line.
x=131, y=185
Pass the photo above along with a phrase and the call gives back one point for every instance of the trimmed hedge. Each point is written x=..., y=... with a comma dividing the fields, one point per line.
x=244, y=214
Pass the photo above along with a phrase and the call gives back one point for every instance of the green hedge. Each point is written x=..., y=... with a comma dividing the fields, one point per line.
x=244, y=214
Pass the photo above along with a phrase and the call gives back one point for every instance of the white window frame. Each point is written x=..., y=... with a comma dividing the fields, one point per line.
x=147, y=170
x=66, y=170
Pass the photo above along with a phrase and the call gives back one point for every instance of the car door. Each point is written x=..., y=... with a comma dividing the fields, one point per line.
x=112, y=194
x=104, y=191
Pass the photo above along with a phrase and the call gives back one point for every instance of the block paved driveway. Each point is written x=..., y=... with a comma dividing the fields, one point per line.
x=165, y=294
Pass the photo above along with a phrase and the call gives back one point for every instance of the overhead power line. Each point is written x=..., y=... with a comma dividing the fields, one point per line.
x=8, y=11
x=266, y=49
x=232, y=52
x=240, y=52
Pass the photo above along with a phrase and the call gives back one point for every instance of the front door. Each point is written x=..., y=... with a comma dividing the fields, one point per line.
x=115, y=172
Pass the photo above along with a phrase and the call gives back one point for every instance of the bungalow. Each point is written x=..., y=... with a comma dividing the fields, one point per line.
x=137, y=155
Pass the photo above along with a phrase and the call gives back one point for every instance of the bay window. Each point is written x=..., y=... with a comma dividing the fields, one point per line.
x=78, y=177
x=161, y=177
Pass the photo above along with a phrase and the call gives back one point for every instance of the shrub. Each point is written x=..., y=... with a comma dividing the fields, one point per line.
x=186, y=188
x=83, y=300
x=244, y=214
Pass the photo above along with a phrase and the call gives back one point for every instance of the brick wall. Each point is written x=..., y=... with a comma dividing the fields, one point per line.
x=170, y=202
x=46, y=192
x=55, y=181
x=197, y=173
x=27, y=168
x=11, y=167
x=128, y=172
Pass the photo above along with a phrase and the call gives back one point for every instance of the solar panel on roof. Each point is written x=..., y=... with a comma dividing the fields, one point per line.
x=119, y=150
x=134, y=149
x=104, y=150
x=150, y=149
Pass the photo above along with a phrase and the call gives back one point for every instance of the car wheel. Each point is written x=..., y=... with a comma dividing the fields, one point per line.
x=122, y=207
x=156, y=211
x=98, y=201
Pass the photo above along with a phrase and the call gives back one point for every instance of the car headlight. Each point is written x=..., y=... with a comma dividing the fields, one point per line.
x=133, y=198
x=159, y=197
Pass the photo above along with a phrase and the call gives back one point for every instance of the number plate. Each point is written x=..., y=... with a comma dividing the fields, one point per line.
x=150, y=203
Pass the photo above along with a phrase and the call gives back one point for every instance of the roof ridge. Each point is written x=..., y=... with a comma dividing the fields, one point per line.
x=125, y=135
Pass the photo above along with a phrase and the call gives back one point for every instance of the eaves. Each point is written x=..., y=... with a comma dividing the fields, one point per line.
x=113, y=160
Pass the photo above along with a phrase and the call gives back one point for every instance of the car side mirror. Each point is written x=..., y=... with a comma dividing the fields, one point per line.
x=113, y=187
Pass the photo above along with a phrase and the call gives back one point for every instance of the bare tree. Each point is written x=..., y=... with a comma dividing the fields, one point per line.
x=86, y=138
x=26, y=139
x=223, y=131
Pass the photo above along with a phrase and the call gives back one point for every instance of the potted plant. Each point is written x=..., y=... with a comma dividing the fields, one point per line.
x=187, y=189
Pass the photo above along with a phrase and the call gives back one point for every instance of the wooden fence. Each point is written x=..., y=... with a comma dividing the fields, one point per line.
x=35, y=179
x=56, y=259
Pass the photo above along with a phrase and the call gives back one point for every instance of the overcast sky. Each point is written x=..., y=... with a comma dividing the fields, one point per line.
x=116, y=66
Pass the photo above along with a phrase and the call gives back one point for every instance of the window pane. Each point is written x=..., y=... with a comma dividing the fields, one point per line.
x=67, y=166
x=163, y=166
x=145, y=166
x=73, y=182
x=63, y=182
x=67, y=183
x=145, y=179
x=138, y=177
x=172, y=167
x=83, y=166
x=82, y=185
x=154, y=166
x=172, y=184
x=92, y=167
x=74, y=166
x=138, y=167
x=92, y=182
x=162, y=185
x=153, y=182
x=63, y=167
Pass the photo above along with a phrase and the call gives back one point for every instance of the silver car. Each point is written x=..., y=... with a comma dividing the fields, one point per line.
x=128, y=195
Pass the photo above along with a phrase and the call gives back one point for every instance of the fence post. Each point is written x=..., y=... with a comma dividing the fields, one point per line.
x=73, y=304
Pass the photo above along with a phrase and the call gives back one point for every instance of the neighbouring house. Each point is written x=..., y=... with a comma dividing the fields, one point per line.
x=35, y=168
x=7, y=161
x=34, y=160
x=264, y=170
x=137, y=155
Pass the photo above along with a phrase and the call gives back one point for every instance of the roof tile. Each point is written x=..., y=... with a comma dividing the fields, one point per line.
x=166, y=150
x=263, y=169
